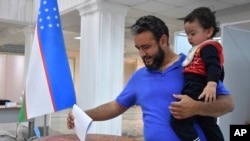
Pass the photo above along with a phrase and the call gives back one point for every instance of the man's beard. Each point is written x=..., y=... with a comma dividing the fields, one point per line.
x=157, y=60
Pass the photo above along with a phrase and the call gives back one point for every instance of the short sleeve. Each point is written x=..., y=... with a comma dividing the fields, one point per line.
x=221, y=89
x=127, y=97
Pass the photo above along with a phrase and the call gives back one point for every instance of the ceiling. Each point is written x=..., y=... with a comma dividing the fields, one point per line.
x=168, y=10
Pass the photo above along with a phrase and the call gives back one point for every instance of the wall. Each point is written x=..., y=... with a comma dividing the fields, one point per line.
x=132, y=124
x=181, y=43
x=11, y=74
x=17, y=11
x=2, y=75
x=129, y=68
x=236, y=52
x=12, y=80
x=75, y=56
x=131, y=65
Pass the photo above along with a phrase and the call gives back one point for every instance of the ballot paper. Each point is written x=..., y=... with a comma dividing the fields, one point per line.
x=82, y=122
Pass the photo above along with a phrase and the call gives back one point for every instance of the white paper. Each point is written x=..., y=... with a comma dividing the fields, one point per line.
x=82, y=122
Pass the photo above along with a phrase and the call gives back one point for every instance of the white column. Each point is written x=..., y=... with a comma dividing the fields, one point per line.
x=101, y=58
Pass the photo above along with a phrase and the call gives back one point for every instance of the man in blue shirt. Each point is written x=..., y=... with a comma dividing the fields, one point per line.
x=157, y=86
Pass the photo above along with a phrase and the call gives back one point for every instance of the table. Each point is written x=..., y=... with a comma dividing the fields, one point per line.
x=9, y=114
x=90, y=137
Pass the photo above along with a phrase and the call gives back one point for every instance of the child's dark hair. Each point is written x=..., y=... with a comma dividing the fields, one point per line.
x=150, y=23
x=205, y=17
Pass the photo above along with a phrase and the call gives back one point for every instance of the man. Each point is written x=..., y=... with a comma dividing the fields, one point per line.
x=156, y=87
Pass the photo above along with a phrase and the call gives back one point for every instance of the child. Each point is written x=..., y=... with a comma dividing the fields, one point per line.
x=203, y=69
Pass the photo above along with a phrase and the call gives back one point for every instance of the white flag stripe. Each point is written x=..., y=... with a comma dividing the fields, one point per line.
x=36, y=85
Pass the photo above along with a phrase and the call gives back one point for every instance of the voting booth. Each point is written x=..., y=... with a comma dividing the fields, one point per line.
x=236, y=44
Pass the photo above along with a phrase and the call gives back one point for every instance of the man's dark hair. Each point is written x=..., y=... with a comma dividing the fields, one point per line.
x=205, y=17
x=150, y=23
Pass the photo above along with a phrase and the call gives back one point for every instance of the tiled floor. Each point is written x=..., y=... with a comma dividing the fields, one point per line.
x=131, y=127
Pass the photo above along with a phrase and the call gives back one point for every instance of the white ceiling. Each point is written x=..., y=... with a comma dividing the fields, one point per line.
x=168, y=10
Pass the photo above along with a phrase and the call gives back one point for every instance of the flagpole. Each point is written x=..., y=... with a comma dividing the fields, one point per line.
x=45, y=126
x=31, y=123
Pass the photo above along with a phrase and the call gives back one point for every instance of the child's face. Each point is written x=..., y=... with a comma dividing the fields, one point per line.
x=196, y=33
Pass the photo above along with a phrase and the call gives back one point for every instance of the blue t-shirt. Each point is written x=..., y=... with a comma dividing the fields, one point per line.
x=153, y=90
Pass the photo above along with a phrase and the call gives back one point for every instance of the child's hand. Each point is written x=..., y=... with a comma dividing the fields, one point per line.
x=209, y=92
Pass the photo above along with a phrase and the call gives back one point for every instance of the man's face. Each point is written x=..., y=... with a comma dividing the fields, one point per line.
x=150, y=51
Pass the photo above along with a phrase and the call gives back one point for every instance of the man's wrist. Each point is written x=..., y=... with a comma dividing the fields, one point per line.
x=199, y=108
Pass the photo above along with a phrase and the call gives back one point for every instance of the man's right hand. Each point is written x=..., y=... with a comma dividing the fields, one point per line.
x=70, y=120
x=185, y=107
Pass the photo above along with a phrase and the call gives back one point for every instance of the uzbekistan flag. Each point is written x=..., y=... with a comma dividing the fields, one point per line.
x=49, y=85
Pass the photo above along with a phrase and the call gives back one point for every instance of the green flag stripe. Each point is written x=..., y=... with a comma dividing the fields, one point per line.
x=22, y=114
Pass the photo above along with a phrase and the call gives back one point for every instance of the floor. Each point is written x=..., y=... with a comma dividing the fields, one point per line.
x=131, y=127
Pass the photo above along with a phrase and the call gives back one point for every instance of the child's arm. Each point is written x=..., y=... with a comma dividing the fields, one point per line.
x=210, y=56
x=209, y=92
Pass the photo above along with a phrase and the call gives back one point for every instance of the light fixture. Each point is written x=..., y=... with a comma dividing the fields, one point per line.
x=182, y=34
x=77, y=38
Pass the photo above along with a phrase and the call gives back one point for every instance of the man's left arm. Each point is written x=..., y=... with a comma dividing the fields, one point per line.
x=187, y=107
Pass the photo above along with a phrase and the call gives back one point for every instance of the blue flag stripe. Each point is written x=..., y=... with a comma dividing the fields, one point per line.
x=54, y=56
